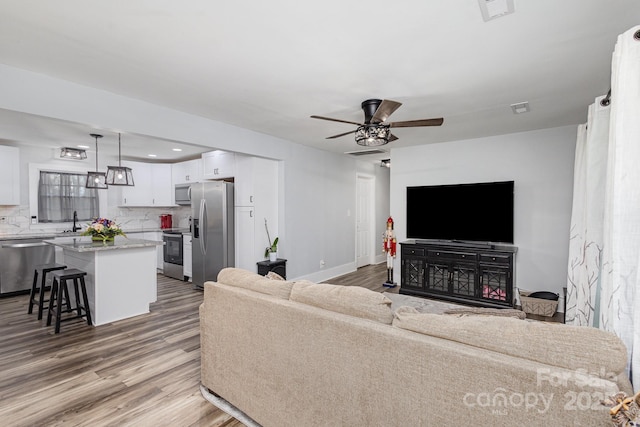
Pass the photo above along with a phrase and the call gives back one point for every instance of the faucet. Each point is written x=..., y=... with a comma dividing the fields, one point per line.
x=75, y=219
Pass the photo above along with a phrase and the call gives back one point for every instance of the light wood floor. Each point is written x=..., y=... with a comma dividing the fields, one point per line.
x=143, y=371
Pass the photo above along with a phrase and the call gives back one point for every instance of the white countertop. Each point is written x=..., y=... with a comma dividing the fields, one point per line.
x=85, y=244
x=28, y=234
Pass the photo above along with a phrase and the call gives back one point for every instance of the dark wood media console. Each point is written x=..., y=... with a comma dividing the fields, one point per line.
x=469, y=273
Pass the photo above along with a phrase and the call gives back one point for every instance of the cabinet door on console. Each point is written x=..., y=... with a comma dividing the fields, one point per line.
x=451, y=272
x=463, y=279
x=413, y=267
x=495, y=277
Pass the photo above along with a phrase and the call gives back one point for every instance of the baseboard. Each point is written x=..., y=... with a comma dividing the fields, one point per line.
x=328, y=274
x=227, y=407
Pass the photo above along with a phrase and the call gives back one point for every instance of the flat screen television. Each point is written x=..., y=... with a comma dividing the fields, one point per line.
x=479, y=212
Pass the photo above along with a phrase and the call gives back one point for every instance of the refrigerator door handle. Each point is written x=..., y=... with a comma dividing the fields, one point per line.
x=203, y=225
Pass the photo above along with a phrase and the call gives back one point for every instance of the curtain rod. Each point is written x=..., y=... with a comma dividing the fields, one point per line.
x=606, y=100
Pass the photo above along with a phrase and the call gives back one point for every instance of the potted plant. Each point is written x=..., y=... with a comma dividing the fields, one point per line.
x=271, y=251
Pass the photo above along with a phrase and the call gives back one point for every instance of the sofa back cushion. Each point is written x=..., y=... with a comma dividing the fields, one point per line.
x=573, y=347
x=351, y=300
x=255, y=282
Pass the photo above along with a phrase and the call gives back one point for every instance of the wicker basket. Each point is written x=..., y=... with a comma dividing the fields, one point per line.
x=539, y=306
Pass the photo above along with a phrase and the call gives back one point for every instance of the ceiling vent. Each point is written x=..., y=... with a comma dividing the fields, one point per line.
x=492, y=9
x=520, y=107
x=365, y=152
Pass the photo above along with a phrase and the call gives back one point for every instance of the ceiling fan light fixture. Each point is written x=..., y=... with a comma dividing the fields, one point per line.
x=119, y=175
x=372, y=135
x=97, y=180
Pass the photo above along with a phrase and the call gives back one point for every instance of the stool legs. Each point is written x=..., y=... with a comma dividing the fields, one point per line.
x=54, y=294
x=60, y=291
x=85, y=300
x=33, y=294
x=41, y=290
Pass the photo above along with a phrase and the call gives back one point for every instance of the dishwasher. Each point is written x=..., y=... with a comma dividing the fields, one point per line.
x=18, y=259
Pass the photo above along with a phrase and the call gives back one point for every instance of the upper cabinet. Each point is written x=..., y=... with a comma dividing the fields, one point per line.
x=9, y=175
x=187, y=172
x=218, y=164
x=256, y=181
x=152, y=187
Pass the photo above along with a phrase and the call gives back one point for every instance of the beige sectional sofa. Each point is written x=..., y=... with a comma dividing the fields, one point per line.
x=304, y=354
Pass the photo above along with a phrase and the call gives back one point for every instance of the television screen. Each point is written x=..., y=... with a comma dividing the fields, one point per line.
x=480, y=212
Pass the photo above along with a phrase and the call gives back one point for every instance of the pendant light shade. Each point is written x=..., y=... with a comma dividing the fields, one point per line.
x=96, y=179
x=119, y=175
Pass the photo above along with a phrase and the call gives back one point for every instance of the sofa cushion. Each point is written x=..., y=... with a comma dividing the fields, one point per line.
x=572, y=347
x=255, y=282
x=352, y=300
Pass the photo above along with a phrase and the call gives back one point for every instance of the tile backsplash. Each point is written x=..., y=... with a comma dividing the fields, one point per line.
x=16, y=219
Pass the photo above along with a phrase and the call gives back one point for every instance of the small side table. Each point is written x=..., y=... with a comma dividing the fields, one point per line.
x=278, y=266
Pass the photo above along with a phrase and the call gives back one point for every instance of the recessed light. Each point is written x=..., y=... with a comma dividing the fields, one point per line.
x=152, y=155
x=177, y=149
x=83, y=146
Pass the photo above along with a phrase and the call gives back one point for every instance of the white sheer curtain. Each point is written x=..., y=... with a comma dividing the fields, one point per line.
x=587, y=217
x=603, y=287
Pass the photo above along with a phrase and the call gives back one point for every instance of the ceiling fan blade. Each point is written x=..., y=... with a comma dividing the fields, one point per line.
x=342, y=134
x=336, y=120
x=415, y=123
x=385, y=109
x=392, y=137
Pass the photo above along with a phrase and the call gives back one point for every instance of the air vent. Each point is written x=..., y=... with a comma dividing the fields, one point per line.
x=520, y=107
x=366, y=152
x=492, y=9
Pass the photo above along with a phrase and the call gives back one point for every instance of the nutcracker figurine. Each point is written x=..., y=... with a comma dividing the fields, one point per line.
x=389, y=246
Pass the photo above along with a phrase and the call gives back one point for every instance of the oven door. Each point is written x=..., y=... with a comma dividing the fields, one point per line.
x=172, y=248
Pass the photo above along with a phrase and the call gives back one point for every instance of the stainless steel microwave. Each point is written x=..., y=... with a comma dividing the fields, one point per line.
x=183, y=194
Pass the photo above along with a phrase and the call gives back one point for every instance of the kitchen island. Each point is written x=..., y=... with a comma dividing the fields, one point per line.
x=121, y=275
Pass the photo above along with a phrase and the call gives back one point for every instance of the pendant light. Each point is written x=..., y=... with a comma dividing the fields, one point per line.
x=96, y=179
x=119, y=175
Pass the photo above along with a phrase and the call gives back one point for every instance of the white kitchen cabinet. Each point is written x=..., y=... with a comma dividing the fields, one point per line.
x=245, y=238
x=187, y=255
x=156, y=236
x=218, y=164
x=152, y=187
x=256, y=199
x=187, y=172
x=9, y=175
x=256, y=181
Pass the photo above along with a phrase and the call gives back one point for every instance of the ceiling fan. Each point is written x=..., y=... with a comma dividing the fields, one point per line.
x=374, y=131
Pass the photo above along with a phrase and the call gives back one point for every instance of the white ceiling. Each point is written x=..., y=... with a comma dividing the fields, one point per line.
x=268, y=66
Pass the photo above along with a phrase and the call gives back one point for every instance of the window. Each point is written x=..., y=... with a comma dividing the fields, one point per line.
x=60, y=194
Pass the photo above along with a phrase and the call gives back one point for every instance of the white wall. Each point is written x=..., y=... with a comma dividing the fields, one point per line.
x=540, y=163
x=316, y=188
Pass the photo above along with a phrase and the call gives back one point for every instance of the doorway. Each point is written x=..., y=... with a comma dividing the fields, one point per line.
x=365, y=218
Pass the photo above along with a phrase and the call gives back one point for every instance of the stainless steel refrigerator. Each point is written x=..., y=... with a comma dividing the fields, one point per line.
x=212, y=230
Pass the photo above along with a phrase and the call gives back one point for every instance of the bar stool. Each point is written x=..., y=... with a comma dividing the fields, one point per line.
x=40, y=291
x=58, y=287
